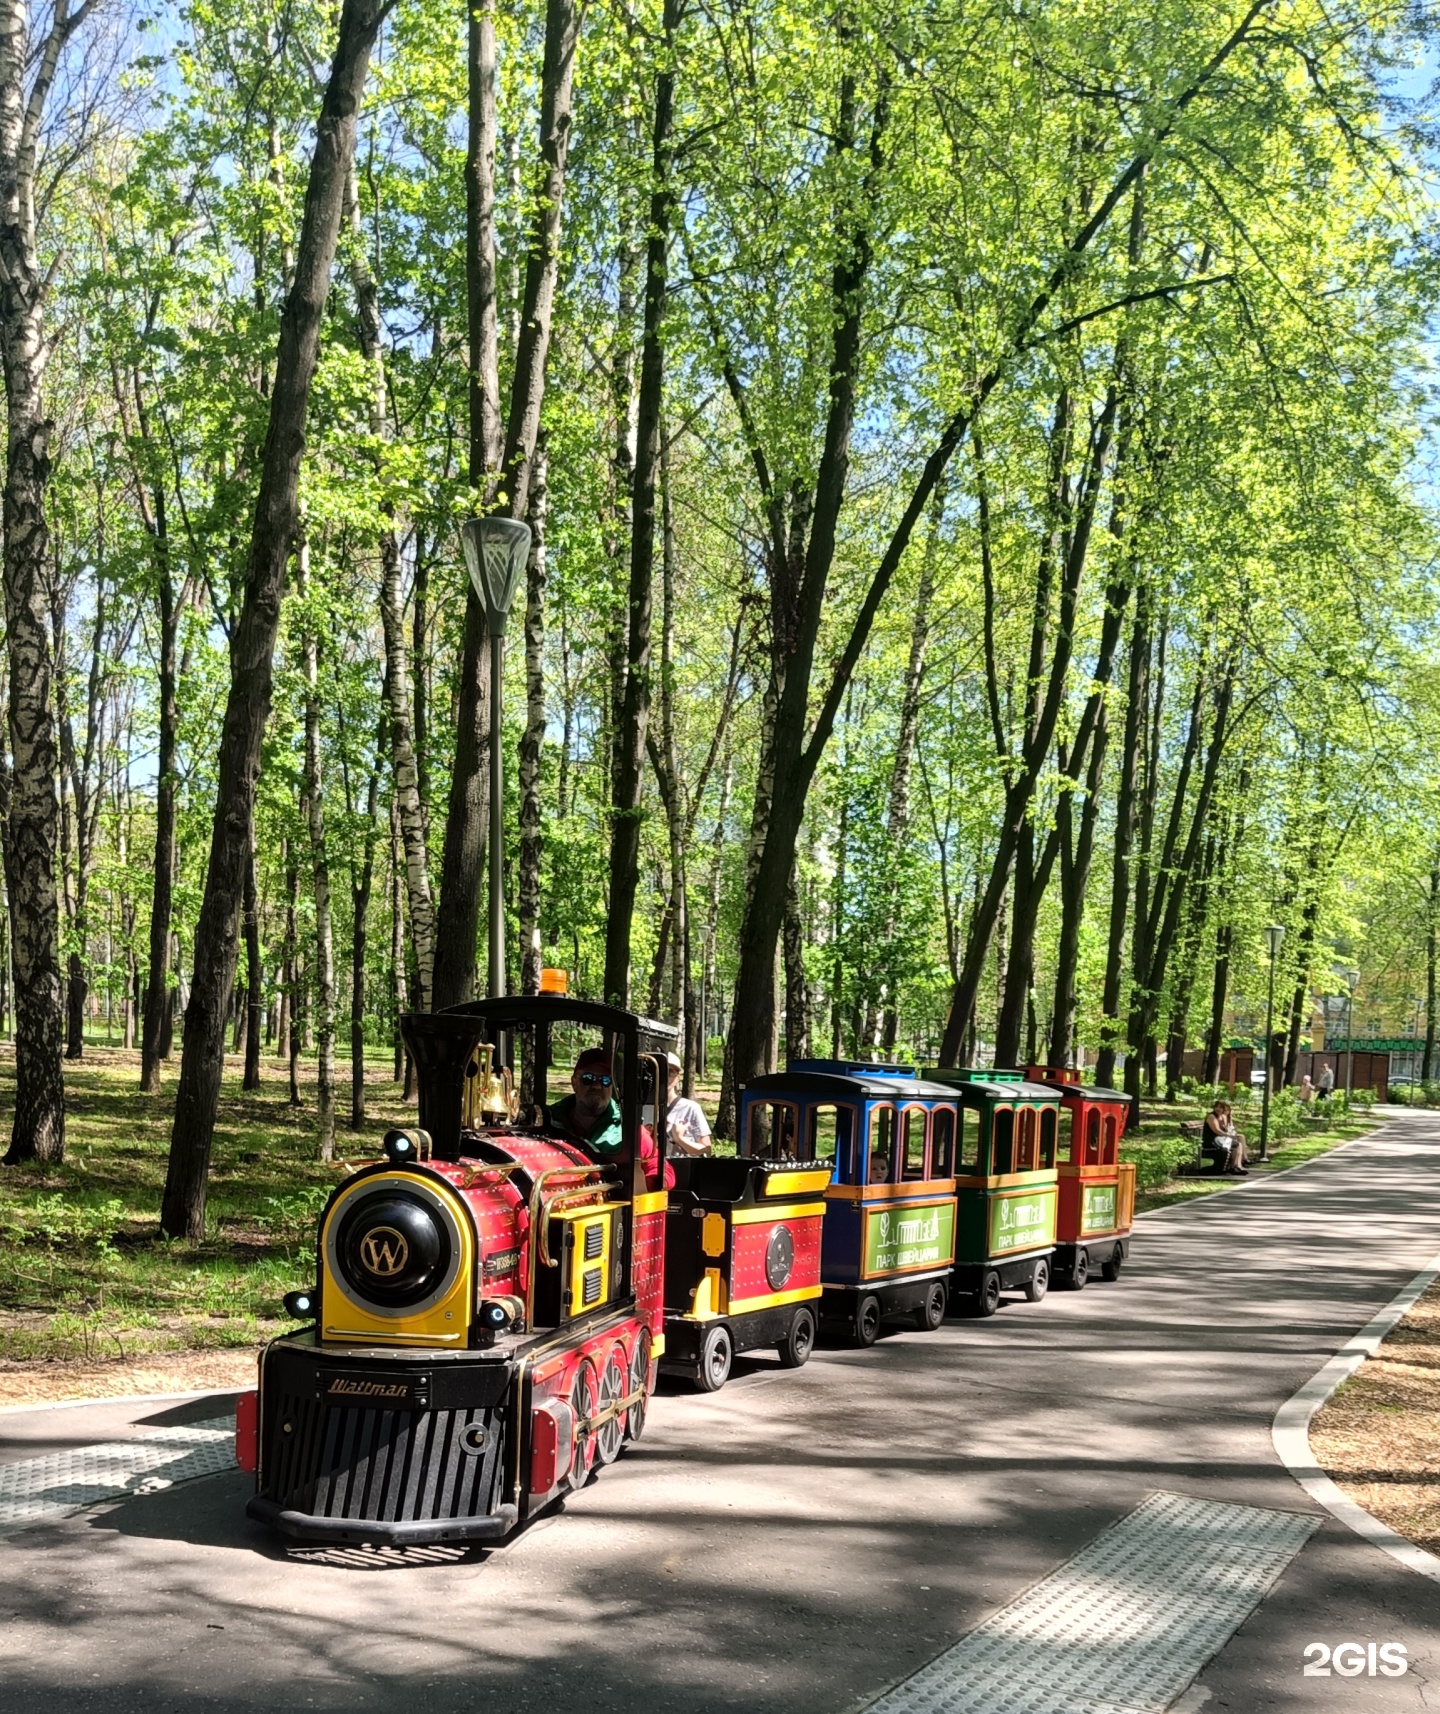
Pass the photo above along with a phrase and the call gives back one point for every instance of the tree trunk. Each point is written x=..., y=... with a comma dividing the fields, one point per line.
x=797, y=988
x=465, y=822
x=629, y=770
x=397, y=949
x=362, y=880
x=254, y=973
x=407, y=787
x=1136, y=699
x=294, y=982
x=1432, y=960
x=253, y=641
x=27, y=73
x=319, y=877
x=532, y=743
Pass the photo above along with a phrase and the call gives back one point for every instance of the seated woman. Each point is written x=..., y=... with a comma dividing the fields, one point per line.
x=1221, y=1142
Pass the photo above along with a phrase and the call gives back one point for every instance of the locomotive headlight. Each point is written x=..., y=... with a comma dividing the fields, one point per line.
x=299, y=1305
x=393, y=1248
x=494, y=1315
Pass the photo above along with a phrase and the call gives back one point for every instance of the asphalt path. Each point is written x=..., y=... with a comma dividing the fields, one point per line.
x=801, y=1540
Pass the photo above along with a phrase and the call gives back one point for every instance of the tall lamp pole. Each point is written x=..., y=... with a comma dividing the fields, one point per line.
x=496, y=550
x=1274, y=934
x=1352, y=982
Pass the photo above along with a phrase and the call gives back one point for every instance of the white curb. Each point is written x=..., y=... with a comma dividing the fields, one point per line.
x=1290, y=1431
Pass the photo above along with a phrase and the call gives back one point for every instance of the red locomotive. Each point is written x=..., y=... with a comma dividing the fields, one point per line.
x=488, y=1312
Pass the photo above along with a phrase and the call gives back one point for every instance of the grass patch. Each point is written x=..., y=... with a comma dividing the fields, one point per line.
x=85, y=1276
x=1157, y=1148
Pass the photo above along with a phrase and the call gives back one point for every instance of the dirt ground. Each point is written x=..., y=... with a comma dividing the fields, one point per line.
x=168, y=1372
x=1379, y=1436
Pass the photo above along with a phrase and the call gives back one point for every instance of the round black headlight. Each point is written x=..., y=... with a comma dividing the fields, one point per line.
x=393, y=1248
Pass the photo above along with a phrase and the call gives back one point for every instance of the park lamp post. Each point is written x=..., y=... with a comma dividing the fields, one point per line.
x=1274, y=935
x=1352, y=982
x=496, y=550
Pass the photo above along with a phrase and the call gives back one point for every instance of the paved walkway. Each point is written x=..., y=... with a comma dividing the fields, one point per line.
x=801, y=1541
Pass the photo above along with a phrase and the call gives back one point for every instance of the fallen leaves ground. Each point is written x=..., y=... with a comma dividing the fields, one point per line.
x=1379, y=1436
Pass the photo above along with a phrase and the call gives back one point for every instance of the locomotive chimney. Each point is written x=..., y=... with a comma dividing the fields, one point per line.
x=441, y=1045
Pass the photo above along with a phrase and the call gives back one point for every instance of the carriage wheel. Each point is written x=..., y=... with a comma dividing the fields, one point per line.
x=584, y=1401
x=867, y=1320
x=987, y=1299
x=1080, y=1272
x=614, y=1384
x=639, y=1383
x=932, y=1312
x=717, y=1352
x=799, y=1342
x=1111, y=1270
x=1039, y=1282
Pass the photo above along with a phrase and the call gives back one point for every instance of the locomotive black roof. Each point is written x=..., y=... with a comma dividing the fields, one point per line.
x=541, y=1008
x=882, y=1088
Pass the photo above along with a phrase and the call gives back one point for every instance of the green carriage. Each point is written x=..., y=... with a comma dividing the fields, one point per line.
x=1007, y=1186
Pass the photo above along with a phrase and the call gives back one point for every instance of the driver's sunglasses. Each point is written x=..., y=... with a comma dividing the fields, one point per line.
x=594, y=1077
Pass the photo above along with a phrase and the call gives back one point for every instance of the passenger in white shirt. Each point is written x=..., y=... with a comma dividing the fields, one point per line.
x=685, y=1124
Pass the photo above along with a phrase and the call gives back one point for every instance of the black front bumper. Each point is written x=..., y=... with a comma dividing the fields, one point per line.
x=387, y=1447
x=379, y=1532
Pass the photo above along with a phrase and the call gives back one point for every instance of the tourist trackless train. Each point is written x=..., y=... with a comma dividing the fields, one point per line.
x=494, y=1298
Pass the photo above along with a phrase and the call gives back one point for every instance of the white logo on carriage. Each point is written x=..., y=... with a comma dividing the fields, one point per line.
x=1350, y=1660
x=918, y=1229
x=1021, y=1214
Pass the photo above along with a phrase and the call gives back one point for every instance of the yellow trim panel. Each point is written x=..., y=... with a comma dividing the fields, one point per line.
x=793, y=1183
x=774, y=1299
x=652, y=1202
x=789, y=1211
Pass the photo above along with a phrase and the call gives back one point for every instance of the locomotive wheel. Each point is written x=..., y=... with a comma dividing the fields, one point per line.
x=1081, y=1270
x=932, y=1312
x=584, y=1401
x=987, y=1299
x=717, y=1352
x=1111, y=1270
x=639, y=1383
x=1038, y=1283
x=799, y=1342
x=610, y=1436
x=867, y=1320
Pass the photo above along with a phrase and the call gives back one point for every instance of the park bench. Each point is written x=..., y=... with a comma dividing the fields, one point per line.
x=1199, y=1164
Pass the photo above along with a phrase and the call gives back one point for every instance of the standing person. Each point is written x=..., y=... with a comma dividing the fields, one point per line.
x=1325, y=1087
x=1223, y=1143
x=685, y=1123
x=1307, y=1090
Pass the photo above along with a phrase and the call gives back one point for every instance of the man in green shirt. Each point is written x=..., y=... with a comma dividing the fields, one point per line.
x=590, y=1115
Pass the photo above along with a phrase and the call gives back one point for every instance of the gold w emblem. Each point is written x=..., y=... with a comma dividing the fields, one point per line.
x=384, y=1251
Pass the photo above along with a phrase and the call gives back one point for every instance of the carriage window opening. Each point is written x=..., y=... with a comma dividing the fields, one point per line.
x=1027, y=1129
x=1112, y=1146
x=882, y=1144
x=1002, y=1139
x=969, y=1126
x=1092, y=1137
x=773, y=1130
x=912, y=1142
x=831, y=1139
x=1064, y=1140
x=942, y=1143
x=1047, y=1137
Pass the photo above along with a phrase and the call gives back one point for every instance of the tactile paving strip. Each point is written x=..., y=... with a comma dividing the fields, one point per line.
x=1122, y=1627
x=39, y=1490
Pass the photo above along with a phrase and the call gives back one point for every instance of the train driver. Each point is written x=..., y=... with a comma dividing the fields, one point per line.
x=590, y=1115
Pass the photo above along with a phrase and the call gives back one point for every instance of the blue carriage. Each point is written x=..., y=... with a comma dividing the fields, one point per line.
x=888, y=1137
